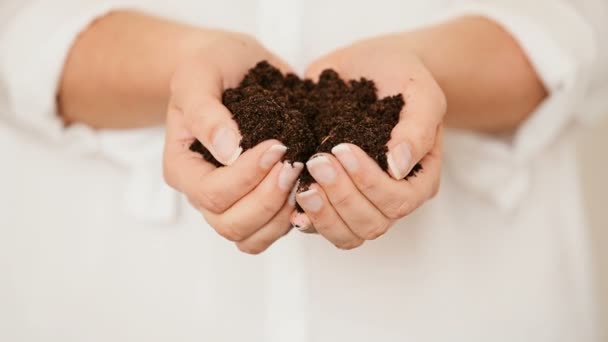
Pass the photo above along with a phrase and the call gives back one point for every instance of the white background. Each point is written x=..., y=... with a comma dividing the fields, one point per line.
x=594, y=167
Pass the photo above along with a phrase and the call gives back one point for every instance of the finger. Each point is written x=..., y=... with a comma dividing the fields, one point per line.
x=414, y=135
x=224, y=186
x=259, y=206
x=302, y=223
x=325, y=219
x=394, y=198
x=182, y=169
x=196, y=91
x=427, y=181
x=214, y=189
x=271, y=232
x=359, y=214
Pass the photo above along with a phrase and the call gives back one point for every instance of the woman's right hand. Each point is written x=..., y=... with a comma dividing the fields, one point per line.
x=245, y=201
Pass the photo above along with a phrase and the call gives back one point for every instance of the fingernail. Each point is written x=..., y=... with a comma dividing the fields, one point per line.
x=399, y=160
x=226, y=145
x=272, y=156
x=346, y=157
x=321, y=170
x=289, y=174
x=300, y=221
x=310, y=200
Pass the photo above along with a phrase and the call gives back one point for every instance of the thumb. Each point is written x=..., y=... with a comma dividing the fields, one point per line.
x=198, y=96
x=212, y=124
x=415, y=133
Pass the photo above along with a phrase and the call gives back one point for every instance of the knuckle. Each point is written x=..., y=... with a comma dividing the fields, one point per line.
x=194, y=122
x=344, y=199
x=250, y=179
x=365, y=183
x=268, y=208
x=399, y=209
x=212, y=202
x=378, y=231
x=229, y=233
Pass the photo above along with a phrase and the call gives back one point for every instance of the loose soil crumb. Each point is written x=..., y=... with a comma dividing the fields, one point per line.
x=310, y=118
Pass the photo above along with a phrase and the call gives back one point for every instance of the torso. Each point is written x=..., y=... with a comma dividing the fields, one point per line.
x=465, y=267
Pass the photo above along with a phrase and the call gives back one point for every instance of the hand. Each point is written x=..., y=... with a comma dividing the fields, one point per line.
x=354, y=200
x=245, y=201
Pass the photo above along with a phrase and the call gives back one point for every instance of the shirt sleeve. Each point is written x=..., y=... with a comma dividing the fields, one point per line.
x=562, y=39
x=35, y=39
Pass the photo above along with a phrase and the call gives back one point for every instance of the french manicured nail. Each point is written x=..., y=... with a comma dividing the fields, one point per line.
x=310, y=200
x=346, y=157
x=289, y=174
x=321, y=170
x=399, y=160
x=272, y=156
x=225, y=144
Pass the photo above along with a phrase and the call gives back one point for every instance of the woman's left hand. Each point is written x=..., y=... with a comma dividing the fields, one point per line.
x=354, y=199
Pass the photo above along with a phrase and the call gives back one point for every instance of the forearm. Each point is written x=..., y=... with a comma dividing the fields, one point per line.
x=118, y=71
x=488, y=81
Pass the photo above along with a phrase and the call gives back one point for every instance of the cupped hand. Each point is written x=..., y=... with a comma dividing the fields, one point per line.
x=245, y=201
x=353, y=199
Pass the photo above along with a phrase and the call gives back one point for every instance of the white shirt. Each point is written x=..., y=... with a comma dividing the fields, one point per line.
x=93, y=246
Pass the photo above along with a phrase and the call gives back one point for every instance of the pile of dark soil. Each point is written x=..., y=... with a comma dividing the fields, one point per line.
x=310, y=117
